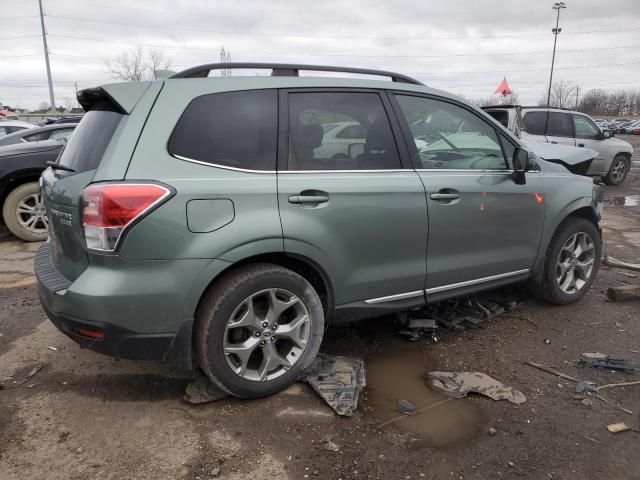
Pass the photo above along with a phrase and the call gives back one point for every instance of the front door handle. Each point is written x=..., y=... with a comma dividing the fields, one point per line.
x=303, y=199
x=581, y=144
x=445, y=196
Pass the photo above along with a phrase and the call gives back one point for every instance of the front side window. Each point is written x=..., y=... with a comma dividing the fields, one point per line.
x=585, y=128
x=62, y=134
x=450, y=137
x=231, y=129
x=36, y=137
x=364, y=140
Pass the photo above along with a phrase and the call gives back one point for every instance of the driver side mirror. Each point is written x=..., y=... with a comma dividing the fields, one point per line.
x=607, y=134
x=520, y=162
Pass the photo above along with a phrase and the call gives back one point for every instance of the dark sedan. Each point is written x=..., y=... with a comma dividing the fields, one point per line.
x=48, y=132
x=20, y=167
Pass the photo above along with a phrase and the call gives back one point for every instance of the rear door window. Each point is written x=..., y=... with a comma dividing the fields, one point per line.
x=231, y=129
x=365, y=142
x=560, y=125
x=534, y=122
x=86, y=147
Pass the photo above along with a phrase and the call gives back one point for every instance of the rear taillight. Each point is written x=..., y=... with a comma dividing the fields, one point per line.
x=108, y=209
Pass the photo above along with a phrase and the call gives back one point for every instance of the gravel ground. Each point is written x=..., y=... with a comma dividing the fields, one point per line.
x=84, y=415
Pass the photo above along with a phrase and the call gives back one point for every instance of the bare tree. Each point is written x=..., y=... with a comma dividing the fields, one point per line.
x=563, y=95
x=135, y=65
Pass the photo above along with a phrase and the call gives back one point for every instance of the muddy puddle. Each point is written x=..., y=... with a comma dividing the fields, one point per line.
x=398, y=373
x=628, y=201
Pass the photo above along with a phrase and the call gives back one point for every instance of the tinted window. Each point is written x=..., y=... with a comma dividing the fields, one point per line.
x=92, y=136
x=372, y=148
x=450, y=137
x=585, y=128
x=534, y=122
x=560, y=125
x=501, y=116
x=36, y=137
x=234, y=129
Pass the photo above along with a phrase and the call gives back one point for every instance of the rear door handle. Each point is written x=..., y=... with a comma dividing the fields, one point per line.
x=445, y=196
x=302, y=199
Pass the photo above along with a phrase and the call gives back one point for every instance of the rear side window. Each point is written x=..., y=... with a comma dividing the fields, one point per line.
x=86, y=147
x=232, y=129
x=534, y=122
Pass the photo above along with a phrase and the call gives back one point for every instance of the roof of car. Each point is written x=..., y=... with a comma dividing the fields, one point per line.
x=30, y=147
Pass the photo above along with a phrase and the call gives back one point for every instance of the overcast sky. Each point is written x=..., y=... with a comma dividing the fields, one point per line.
x=463, y=46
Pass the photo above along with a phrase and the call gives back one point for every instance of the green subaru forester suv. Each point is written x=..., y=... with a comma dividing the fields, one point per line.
x=223, y=223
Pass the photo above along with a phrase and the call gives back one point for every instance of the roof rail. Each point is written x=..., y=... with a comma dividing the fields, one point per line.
x=289, y=70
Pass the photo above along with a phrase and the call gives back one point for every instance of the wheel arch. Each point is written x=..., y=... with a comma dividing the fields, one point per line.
x=586, y=212
x=303, y=266
x=15, y=179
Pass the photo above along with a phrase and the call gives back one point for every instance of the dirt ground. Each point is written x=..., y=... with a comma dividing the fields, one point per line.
x=84, y=415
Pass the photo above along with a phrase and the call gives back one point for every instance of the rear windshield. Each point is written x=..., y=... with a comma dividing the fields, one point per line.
x=90, y=140
x=501, y=116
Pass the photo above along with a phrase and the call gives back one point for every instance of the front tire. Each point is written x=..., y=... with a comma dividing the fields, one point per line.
x=257, y=329
x=618, y=170
x=571, y=263
x=23, y=213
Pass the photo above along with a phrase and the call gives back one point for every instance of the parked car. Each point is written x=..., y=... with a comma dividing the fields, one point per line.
x=541, y=124
x=192, y=222
x=20, y=167
x=630, y=127
x=55, y=121
x=12, y=126
x=59, y=132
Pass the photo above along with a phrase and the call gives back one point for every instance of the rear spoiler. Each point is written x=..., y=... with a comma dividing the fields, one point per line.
x=115, y=97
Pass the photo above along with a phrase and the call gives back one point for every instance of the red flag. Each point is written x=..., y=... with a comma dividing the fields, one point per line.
x=503, y=88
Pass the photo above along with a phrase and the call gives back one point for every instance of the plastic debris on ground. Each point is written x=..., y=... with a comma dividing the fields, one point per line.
x=202, y=390
x=618, y=427
x=457, y=314
x=406, y=407
x=602, y=360
x=338, y=380
x=459, y=384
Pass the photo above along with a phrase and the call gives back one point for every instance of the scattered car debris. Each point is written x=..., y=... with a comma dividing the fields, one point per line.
x=602, y=360
x=459, y=384
x=585, y=386
x=338, y=380
x=30, y=375
x=575, y=380
x=202, y=390
x=623, y=293
x=612, y=262
x=455, y=314
x=618, y=427
x=406, y=407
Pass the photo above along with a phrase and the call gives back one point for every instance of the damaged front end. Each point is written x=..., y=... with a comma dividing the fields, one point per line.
x=576, y=160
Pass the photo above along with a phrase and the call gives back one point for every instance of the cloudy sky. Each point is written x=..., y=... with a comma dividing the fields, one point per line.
x=463, y=46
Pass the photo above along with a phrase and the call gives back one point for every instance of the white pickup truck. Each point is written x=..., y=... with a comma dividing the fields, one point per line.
x=538, y=125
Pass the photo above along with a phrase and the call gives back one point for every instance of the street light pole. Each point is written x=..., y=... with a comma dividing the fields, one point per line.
x=46, y=57
x=556, y=6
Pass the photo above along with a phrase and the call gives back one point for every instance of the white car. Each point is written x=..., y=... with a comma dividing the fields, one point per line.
x=12, y=126
x=564, y=127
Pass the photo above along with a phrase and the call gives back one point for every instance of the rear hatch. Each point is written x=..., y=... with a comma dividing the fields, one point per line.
x=92, y=143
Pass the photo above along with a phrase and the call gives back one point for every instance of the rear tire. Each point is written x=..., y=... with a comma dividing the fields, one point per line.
x=239, y=318
x=618, y=170
x=23, y=213
x=571, y=262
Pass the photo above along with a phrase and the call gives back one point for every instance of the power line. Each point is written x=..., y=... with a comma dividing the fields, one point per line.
x=539, y=52
x=291, y=35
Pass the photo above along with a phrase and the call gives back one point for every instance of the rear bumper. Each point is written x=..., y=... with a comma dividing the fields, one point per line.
x=96, y=303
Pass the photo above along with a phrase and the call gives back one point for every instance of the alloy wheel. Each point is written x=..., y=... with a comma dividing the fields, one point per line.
x=31, y=214
x=618, y=171
x=575, y=263
x=266, y=334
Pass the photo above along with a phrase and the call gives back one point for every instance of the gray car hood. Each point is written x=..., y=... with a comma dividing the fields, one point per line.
x=568, y=154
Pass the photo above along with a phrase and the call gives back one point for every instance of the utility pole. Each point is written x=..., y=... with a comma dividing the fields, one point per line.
x=46, y=57
x=77, y=103
x=556, y=6
x=577, y=95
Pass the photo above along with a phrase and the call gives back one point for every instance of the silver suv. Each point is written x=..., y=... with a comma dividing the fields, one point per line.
x=566, y=127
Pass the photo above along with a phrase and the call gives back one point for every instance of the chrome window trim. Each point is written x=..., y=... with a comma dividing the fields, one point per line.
x=499, y=171
x=391, y=298
x=476, y=281
x=217, y=165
